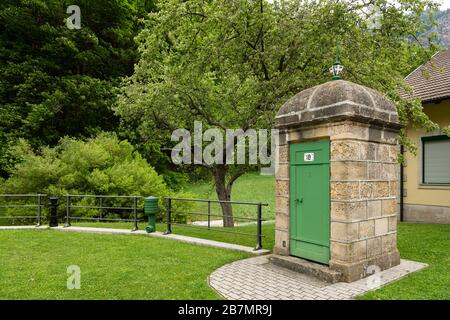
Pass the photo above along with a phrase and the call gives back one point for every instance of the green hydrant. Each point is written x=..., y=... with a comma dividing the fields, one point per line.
x=151, y=209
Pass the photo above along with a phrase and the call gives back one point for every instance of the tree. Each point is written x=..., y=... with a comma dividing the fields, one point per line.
x=100, y=165
x=55, y=81
x=232, y=64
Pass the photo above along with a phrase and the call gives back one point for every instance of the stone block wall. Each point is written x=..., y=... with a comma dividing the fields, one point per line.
x=282, y=213
x=364, y=175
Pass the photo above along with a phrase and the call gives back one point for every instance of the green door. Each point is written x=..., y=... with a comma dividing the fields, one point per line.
x=310, y=200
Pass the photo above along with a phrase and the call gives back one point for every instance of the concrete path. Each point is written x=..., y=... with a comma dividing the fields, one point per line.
x=219, y=223
x=257, y=279
x=23, y=227
x=191, y=240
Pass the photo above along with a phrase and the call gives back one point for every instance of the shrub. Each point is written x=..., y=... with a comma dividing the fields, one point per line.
x=103, y=165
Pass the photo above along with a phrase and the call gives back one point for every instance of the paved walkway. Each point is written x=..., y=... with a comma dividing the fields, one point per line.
x=219, y=223
x=191, y=240
x=257, y=279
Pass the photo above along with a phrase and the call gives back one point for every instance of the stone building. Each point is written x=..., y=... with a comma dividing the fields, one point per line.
x=343, y=137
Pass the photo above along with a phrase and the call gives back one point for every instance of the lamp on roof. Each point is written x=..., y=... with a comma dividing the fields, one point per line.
x=337, y=68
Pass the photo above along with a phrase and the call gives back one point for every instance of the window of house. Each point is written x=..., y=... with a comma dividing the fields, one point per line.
x=436, y=160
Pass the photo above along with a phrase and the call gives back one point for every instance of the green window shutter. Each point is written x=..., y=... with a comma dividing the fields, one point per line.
x=436, y=160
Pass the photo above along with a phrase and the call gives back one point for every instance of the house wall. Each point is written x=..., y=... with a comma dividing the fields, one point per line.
x=422, y=203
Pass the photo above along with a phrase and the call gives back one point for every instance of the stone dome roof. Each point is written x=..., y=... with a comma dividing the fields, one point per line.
x=337, y=100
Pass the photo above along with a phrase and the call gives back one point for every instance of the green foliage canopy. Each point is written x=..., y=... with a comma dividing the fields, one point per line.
x=232, y=64
x=55, y=81
x=101, y=165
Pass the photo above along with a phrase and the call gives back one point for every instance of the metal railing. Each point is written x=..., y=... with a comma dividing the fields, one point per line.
x=103, y=209
x=27, y=198
x=208, y=214
x=81, y=202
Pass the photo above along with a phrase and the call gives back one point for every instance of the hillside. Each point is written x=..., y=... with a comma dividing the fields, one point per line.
x=443, y=30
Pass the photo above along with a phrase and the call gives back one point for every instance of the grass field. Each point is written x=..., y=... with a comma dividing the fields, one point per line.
x=418, y=242
x=423, y=243
x=34, y=262
x=251, y=187
x=33, y=265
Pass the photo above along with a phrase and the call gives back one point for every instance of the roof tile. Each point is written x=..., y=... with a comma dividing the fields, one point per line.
x=431, y=81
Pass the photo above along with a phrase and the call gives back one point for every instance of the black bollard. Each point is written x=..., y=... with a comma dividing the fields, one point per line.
x=53, y=210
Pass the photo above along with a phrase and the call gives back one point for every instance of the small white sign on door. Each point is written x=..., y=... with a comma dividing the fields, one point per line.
x=308, y=157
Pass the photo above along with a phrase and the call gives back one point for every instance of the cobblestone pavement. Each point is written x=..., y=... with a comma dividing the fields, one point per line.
x=258, y=279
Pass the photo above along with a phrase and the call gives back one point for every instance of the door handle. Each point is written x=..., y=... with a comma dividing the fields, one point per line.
x=299, y=200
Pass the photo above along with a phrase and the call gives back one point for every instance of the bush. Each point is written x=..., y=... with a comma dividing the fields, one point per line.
x=103, y=166
x=175, y=180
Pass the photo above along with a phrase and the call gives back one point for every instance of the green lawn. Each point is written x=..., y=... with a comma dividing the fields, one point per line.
x=33, y=265
x=251, y=187
x=268, y=232
x=423, y=243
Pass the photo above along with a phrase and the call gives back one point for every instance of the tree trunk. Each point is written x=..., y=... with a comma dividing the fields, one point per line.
x=224, y=194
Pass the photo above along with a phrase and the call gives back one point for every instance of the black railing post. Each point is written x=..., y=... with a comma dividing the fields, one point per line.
x=135, y=214
x=53, y=212
x=259, y=228
x=67, y=211
x=169, y=216
x=101, y=208
x=209, y=215
x=39, y=211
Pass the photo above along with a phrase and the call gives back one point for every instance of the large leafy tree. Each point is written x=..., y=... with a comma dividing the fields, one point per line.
x=56, y=81
x=231, y=64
